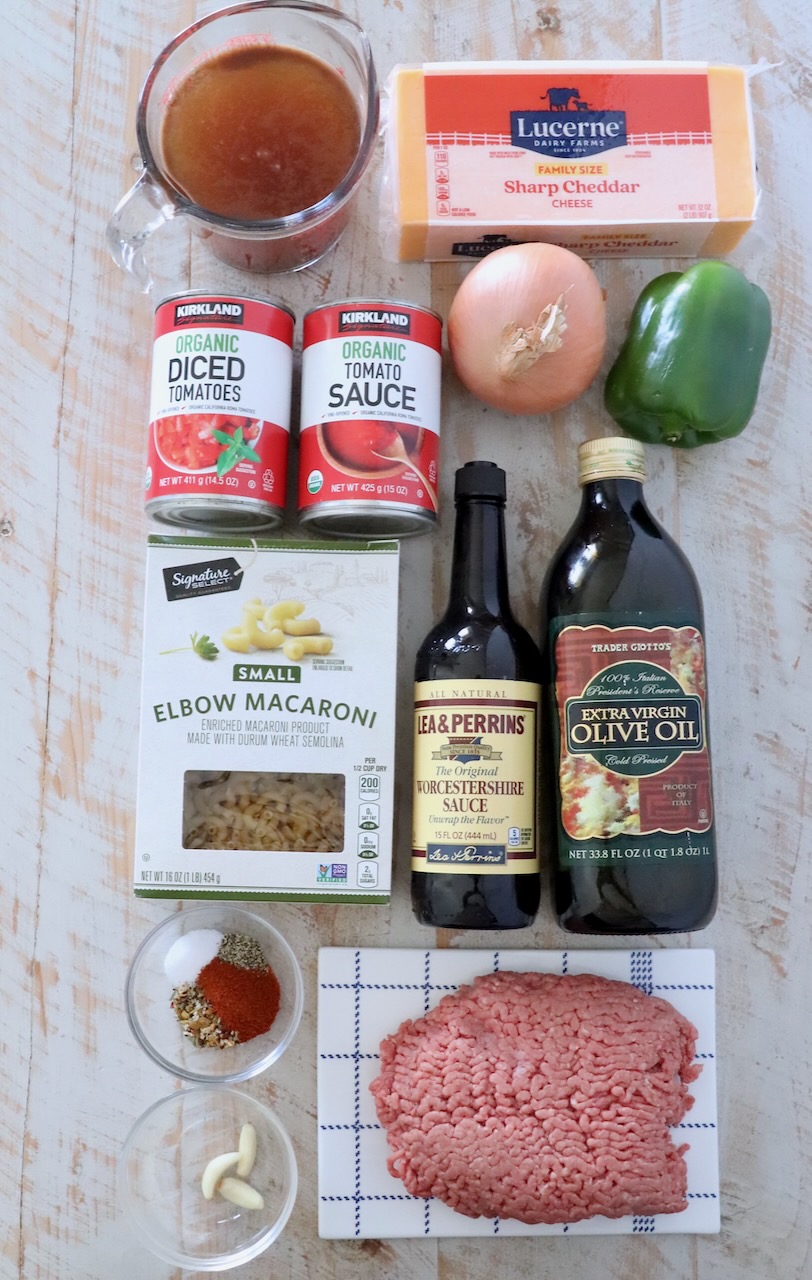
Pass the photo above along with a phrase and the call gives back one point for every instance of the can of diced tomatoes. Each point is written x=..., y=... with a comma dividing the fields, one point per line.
x=219, y=426
x=370, y=419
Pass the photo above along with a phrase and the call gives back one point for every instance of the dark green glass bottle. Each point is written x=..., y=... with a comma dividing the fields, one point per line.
x=477, y=697
x=633, y=844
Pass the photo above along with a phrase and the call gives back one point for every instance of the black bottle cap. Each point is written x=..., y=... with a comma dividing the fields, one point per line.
x=480, y=480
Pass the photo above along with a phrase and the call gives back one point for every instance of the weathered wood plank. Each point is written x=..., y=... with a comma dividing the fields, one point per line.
x=76, y=364
x=35, y=282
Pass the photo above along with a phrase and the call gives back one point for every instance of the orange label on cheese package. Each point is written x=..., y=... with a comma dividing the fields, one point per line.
x=605, y=158
x=611, y=143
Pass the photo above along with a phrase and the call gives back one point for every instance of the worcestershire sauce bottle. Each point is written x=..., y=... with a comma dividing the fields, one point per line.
x=626, y=713
x=477, y=695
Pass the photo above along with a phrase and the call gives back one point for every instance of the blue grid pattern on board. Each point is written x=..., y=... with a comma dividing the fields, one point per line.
x=640, y=1225
x=641, y=975
x=356, y=1057
x=641, y=966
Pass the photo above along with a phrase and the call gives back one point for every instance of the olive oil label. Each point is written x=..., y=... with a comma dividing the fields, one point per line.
x=633, y=764
x=476, y=761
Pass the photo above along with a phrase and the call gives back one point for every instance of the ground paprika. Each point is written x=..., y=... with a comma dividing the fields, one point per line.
x=245, y=1000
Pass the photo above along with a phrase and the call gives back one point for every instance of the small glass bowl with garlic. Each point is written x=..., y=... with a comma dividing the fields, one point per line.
x=182, y=1195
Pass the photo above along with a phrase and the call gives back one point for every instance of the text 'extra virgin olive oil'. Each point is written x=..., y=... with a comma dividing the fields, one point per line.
x=626, y=712
x=477, y=701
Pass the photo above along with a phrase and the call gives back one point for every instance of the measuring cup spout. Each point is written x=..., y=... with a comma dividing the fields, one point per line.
x=144, y=209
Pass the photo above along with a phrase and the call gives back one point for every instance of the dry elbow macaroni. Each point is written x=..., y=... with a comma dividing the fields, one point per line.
x=264, y=811
x=269, y=626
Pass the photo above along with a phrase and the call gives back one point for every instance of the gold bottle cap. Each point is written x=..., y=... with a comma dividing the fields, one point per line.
x=611, y=457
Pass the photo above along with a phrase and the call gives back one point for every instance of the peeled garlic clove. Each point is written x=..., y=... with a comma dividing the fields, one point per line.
x=214, y=1171
x=240, y=1193
x=247, y=1150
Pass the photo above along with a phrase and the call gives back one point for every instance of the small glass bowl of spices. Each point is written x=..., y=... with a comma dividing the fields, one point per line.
x=214, y=993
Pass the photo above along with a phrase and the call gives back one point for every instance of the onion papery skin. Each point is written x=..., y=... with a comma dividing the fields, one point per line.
x=512, y=286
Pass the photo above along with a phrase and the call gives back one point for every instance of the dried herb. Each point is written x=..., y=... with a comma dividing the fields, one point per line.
x=198, y=1020
x=245, y=952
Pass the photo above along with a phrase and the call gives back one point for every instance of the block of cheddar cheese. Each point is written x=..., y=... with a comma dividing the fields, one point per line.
x=626, y=159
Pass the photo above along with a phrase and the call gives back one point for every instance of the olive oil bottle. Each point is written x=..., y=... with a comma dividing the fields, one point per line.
x=633, y=844
x=477, y=702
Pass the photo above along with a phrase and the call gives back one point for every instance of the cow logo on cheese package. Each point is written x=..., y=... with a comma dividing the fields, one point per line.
x=569, y=126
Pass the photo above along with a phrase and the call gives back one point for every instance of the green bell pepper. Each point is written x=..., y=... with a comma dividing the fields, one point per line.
x=689, y=370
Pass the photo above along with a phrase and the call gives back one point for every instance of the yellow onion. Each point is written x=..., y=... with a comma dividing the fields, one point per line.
x=527, y=328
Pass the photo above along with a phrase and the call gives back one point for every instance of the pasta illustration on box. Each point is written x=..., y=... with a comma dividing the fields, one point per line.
x=277, y=749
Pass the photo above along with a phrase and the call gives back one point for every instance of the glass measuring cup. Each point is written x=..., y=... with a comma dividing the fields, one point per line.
x=277, y=243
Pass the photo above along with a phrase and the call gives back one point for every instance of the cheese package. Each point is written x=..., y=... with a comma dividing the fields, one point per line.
x=609, y=159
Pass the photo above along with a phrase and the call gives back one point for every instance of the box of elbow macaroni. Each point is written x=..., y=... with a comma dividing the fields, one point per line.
x=267, y=720
x=608, y=159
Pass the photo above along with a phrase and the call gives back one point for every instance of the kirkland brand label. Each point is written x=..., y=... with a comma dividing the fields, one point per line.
x=476, y=758
x=634, y=769
x=200, y=312
x=352, y=321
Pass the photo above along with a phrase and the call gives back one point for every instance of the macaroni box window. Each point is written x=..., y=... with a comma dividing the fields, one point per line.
x=267, y=720
x=265, y=811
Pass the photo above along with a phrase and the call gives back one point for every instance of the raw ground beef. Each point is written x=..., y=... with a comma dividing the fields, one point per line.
x=541, y=1098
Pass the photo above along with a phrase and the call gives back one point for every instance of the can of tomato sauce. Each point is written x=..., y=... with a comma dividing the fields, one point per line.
x=219, y=426
x=370, y=418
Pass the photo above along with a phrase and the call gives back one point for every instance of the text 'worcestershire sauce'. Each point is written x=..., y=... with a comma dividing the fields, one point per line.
x=474, y=846
x=626, y=713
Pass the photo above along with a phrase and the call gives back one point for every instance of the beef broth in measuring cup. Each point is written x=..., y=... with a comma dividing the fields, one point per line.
x=251, y=164
x=256, y=124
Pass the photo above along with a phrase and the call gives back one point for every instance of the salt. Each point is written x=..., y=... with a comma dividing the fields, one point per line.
x=190, y=953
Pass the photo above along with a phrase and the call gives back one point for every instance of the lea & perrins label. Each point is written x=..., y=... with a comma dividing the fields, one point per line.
x=475, y=769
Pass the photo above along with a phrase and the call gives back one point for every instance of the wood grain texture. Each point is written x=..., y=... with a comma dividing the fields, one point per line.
x=75, y=361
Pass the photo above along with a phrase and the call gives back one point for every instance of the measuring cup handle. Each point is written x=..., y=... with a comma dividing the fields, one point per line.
x=144, y=209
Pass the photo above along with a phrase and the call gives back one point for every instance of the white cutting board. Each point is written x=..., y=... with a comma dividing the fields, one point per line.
x=364, y=995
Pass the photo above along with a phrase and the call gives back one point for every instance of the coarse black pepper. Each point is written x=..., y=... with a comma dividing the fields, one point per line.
x=243, y=951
